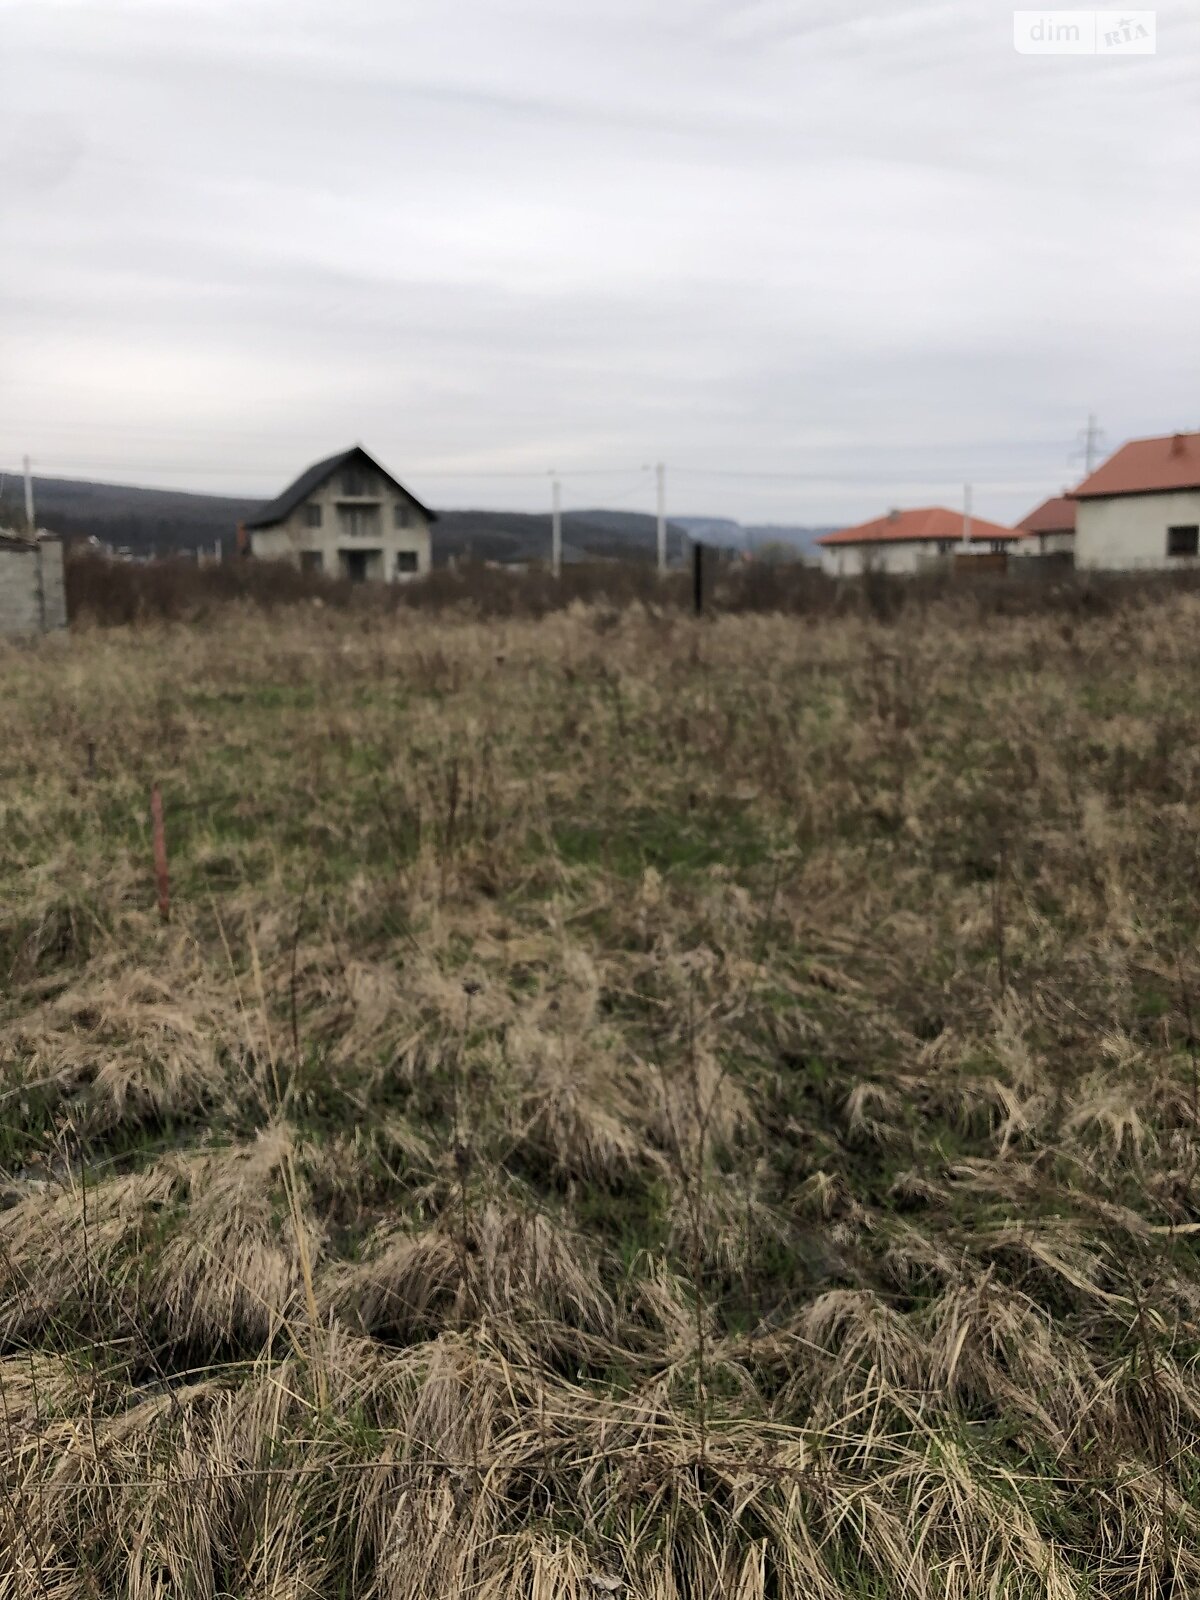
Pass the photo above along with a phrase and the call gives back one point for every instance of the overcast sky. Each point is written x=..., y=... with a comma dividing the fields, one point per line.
x=819, y=258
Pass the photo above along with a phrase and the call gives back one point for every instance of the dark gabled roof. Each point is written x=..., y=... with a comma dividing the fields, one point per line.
x=313, y=477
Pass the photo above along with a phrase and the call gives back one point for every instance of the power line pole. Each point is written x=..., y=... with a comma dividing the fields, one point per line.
x=660, y=474
x=966, y=516
x=556, y=528
x=1093, y=441
x=29, y=524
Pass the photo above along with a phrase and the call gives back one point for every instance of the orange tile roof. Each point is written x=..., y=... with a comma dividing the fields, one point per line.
x=1052, y=516
x=1147, y=466
x=932, y=522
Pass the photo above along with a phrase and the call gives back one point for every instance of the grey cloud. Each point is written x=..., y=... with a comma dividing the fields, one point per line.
x=865, y=246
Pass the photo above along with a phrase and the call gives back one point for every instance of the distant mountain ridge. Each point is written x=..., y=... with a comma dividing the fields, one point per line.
x=751, y=536
x=142, y=520
x=169, y=521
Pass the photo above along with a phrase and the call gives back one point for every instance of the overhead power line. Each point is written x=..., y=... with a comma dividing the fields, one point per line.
x=550, y=472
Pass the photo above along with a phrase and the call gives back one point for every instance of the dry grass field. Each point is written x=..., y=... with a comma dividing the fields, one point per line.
x=621, y=1106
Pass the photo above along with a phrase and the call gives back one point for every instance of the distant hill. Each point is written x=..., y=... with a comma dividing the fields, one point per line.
x=516, y=536
x=803, y=538
x=146, y=521
x=751, y=536
x=166, y=521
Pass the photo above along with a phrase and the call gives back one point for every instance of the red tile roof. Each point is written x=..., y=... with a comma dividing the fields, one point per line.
x=1147, y=466
x=1052, y=516
x=932, y=522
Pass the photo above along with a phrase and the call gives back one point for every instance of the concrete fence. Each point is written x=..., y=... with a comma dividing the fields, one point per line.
x=32, y=595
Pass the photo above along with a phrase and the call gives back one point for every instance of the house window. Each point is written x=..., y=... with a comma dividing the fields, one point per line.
x=999, y=546
x=312, y=560
x=312, y=515
x=945, y=547
x=406, y=563
x=1183, y=541
x=359, y=522
x=400, y=514
x=356, y=482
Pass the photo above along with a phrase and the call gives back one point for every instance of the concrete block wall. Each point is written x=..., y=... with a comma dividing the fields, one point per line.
x=32, y=592
x=54, y=589
x=20, y=604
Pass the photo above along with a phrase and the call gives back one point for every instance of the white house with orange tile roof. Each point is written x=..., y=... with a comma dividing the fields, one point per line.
x=1141, y=509
x=911, y=541
x=1051, y=527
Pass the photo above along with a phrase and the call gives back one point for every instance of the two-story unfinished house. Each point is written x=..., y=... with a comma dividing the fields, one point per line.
x=346, y=517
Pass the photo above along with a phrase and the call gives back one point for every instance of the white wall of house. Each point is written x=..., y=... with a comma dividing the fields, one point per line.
x=335, y=531
x=1045, y=544
x=904, y=556
x=1124, y=533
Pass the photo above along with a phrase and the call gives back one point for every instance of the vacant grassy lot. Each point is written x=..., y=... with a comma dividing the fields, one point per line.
x=620, y=1106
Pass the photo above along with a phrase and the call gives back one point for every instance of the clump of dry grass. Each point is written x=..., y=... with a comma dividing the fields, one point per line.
x=620, y=1107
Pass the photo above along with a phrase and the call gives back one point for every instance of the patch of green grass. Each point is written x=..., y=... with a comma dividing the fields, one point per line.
x=669, y=842
x=30, y=1123
x=1150, y=1003
x=632, y=1219
x=254, y=696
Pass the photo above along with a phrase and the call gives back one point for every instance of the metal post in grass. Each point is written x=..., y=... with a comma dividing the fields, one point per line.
x=698, y=579
x=160, y=853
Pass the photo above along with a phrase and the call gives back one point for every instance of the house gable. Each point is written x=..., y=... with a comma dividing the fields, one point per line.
x=317, y=476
